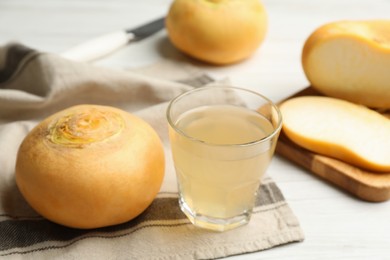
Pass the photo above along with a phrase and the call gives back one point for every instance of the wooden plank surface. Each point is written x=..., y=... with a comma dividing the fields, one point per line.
x=366, y=185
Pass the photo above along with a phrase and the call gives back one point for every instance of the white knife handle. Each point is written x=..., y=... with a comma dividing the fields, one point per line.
x=98, y=47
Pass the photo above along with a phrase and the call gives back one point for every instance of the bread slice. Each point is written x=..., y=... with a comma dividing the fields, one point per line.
x=339, y=129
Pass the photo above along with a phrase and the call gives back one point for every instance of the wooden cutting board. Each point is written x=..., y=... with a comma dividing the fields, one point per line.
x=369, y=186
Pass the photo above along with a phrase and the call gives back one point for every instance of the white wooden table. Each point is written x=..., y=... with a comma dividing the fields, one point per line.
x=336, y=225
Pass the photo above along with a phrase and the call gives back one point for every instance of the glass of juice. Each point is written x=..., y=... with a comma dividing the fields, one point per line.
x=222, y=140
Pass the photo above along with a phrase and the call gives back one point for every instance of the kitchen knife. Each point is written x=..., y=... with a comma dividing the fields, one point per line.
x=101, y=46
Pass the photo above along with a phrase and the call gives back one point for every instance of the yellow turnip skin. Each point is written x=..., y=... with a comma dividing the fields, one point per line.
x=217, y=31
x=349, y=60
x=90, y=166
x=339, y=129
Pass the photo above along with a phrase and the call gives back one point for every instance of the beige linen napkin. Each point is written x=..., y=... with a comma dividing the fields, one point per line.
x=34, y=85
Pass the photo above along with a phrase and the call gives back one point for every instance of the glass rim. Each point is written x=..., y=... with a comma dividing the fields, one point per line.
x=269, y=136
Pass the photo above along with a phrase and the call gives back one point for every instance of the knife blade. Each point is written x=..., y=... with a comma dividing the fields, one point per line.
x=104, y=45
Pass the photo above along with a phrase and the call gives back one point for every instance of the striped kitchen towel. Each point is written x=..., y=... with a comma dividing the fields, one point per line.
x=34, y=85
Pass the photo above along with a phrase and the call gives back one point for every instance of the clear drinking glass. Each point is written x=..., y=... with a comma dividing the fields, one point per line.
x=222, y=139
